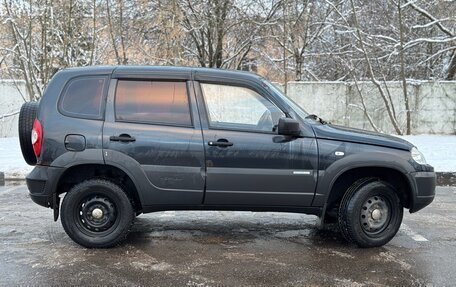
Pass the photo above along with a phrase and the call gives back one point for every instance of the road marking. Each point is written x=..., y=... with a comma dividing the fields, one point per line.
x=415, y=236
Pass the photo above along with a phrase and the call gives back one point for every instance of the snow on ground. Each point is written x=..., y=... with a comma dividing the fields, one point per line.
x=439, y=151
x=11, y=161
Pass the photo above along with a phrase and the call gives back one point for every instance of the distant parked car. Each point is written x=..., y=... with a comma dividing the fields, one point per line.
x=121, y=141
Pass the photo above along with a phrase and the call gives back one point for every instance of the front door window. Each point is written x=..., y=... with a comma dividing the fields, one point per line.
x=239, y=108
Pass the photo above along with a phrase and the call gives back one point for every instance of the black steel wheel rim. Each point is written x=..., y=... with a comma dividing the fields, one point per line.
x=376, y=213
x=96, y=215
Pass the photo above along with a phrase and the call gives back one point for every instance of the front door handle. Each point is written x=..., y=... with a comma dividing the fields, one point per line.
x=220, y=143
x=122, y=138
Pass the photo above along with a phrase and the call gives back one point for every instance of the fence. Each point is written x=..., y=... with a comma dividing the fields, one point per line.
x=433, y=104
x=11, y=101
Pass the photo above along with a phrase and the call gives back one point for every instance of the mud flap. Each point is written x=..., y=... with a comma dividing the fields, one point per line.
x=56, y=205
x=321, y=219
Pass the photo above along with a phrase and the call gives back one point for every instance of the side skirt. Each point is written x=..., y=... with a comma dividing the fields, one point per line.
x=293, y=209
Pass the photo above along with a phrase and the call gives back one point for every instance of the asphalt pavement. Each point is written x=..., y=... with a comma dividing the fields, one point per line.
x=212, y=248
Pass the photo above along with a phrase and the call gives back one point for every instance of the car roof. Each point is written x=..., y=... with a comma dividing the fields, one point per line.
x=169, y=70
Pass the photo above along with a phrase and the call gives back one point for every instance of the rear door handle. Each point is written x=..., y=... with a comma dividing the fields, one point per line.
x=122, y=138
x=220, y=143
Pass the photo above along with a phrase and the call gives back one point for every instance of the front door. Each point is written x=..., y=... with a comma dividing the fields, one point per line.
x=247, y=162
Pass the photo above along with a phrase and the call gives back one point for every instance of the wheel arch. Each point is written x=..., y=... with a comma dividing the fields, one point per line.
x=77, y=173
x=396, y=178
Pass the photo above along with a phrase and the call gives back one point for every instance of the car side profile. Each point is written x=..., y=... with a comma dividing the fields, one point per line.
x=119, y=141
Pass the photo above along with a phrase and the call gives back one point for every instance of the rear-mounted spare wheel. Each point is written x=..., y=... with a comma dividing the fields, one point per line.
x=27, y=116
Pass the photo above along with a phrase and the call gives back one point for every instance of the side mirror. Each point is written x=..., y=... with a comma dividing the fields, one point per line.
x=289, y=127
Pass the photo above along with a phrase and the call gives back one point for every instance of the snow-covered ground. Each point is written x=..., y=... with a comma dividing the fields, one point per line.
x=439, y=151
x=11, y=161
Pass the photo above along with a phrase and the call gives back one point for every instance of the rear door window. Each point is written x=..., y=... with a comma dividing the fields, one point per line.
x=83, y=97
x=153, y=102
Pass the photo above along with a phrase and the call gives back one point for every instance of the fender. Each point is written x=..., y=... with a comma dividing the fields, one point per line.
x=391, y=160
x=67, y=160
x=132, y=168
x=95, y=156
x=87, y=156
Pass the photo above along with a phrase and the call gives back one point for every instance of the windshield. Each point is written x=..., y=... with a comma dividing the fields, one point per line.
x=298, y=110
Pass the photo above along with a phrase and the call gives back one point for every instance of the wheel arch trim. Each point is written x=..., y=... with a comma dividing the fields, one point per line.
x=70, y=160
x=329, y=177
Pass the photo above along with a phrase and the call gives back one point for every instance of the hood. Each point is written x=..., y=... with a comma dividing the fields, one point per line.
x=334, y=132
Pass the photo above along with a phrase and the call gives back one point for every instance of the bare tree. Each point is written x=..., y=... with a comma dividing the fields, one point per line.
x=22, y=50
x=402, y=63
x=286, y=39
x=43, y=39
x=116, y=28
x=451, y=71
x=302, y=24
x=377, y=83
x=222, y=33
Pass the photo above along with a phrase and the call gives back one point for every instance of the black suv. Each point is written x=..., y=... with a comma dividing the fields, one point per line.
x=121, y=141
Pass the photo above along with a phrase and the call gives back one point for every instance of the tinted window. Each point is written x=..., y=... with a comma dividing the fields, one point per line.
x=239, y=108
x=83, y=97
x=152, y=102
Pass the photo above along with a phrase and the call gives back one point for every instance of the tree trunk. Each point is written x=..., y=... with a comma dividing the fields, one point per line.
x=111, y=32
x=371, y=73
x=452, y=67
x=94, y=27
x=285, y=80
x=402, y=61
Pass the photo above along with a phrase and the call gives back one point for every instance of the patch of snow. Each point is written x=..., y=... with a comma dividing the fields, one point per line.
x=439, y=150
x=11, y=161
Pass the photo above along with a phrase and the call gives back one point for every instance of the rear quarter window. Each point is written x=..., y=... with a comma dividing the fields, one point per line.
x=83, y=97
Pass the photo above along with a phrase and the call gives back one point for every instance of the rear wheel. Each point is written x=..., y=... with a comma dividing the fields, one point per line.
x=27, y=116
x=97, y=214
x=370, y=213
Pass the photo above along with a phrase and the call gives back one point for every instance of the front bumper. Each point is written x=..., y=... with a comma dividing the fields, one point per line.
x=424, y=189
x=41, y=183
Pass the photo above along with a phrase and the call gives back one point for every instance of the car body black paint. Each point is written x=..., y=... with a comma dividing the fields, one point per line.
x=174, y=167
x=171, y=157
x=345, y=134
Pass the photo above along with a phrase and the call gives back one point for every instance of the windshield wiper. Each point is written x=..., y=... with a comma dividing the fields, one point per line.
x=317, y=118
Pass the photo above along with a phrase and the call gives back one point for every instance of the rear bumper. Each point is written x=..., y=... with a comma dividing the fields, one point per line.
x=424, y=191
x=41, y=184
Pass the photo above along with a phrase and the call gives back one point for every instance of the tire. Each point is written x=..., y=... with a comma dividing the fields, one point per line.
x=27, y=116
x=86, y=225
x=370, y=213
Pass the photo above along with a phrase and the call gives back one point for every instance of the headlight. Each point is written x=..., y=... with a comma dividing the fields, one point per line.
x=417, y=156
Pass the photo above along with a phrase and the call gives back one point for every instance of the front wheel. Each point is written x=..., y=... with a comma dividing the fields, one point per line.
x=370, y=213
x=97, y=214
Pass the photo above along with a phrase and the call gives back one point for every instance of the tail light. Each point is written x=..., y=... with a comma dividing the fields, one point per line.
x=37, y=137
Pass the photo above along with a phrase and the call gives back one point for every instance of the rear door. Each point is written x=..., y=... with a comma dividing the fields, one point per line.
x=150, y=123
x=247, y=162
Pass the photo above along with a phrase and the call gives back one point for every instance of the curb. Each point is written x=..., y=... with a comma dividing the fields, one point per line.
x=443, y=178
x=446, y=178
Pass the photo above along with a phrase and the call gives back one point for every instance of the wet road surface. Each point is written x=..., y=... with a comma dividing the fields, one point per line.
x=187, y=248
